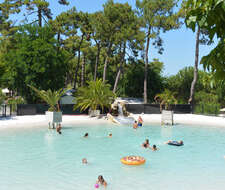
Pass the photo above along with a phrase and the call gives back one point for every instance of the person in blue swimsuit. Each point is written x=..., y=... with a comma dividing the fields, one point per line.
x=140, y=121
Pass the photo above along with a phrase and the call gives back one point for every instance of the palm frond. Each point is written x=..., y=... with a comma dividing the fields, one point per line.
x=51, y=97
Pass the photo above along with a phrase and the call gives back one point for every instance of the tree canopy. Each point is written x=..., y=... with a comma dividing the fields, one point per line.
x=209, y=15
x=113, y=44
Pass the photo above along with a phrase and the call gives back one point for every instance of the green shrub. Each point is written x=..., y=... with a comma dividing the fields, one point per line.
x=209, y=108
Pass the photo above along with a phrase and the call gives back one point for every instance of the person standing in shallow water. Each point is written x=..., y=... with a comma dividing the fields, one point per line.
x=58, y=128
x=140, y=121
x=135, y=125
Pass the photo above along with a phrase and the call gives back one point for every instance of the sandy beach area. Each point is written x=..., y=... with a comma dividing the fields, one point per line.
x=40, y=120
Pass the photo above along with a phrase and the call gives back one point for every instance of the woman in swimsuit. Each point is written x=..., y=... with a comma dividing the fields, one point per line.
x=140, y=121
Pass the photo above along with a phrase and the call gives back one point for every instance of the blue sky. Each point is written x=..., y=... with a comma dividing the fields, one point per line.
x=179, y=45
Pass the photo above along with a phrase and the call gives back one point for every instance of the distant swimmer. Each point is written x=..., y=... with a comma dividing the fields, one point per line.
x=110, y=135
x=154, y=148
x=86, y=135
x=84, y=161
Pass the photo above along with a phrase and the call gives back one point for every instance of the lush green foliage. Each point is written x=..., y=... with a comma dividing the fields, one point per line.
x=50, y=97
x=96, y=95
x=14, y=101
x=209, y=15
x=33, y=58
x=2, y=97
x=135, y=70
x=181, y=84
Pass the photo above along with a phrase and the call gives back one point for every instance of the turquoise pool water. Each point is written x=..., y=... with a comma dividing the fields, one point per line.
x=35, y=159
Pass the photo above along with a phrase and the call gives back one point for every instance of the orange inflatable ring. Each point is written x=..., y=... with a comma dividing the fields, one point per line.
x=133, y=160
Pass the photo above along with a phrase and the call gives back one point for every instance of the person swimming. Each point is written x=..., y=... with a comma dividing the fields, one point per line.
x=84, y=161
x=86, y=135
x=154, y=148
x=110, y=135
x=146, y=144
x=101, y=181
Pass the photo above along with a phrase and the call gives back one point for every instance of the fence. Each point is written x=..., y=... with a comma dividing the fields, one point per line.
x=155, y=108
x=33, y=109
x=6, y=110
x=207, y=109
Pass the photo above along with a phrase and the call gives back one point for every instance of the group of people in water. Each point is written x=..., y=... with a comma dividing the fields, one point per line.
x=146, y=144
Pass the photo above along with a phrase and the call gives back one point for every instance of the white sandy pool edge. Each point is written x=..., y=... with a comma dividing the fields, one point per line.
x=39, y=120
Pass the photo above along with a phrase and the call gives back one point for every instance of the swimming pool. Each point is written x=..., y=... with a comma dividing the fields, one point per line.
x=38, y=158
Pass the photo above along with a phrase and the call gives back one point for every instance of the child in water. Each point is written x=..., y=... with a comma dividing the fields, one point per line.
x=135, y=125
x=101, y=181
x=154, y=147
x=58, y=128
x=84, y=161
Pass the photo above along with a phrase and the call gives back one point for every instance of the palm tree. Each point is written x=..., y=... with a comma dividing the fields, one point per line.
x=166, y=98
x=51, y=97
x=96, y=94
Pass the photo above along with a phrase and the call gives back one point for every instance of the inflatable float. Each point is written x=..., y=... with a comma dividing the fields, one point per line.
x=175, y=143
x=133, y=160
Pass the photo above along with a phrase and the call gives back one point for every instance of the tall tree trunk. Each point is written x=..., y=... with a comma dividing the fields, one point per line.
x=83, y=71
x=97, y=61
x=192, y=91
x=58, y=37
x=39, y=17
x=106, y=61
x=78, y=62
x=146, y=67
x=120, y=68
x=105, y=68
x=58, y=40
